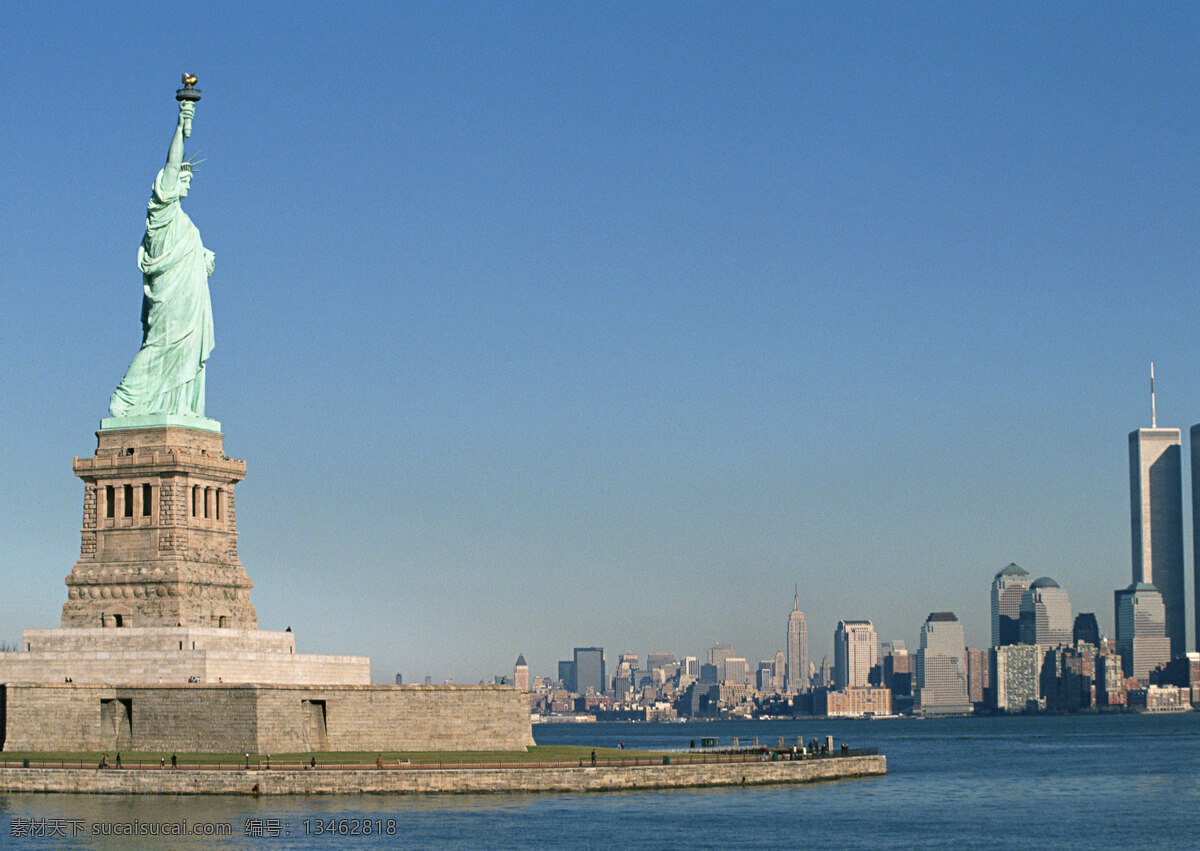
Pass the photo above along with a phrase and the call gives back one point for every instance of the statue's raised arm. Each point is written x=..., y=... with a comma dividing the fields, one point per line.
x=187, y=109
x=166, y=377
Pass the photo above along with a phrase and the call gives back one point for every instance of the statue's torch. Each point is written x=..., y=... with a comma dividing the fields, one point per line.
x=189, y=93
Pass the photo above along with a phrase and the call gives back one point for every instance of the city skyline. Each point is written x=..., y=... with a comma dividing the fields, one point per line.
x=615, y=323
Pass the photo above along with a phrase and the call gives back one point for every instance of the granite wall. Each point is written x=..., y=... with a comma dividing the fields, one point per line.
x=214, y=718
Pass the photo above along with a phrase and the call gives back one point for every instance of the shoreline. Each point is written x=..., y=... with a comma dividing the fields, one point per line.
x=439, y=781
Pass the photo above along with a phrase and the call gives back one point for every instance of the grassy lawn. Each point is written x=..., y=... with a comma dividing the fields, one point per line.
x=536, y=754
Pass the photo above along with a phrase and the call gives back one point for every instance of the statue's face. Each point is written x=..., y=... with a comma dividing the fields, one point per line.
x=185, y=183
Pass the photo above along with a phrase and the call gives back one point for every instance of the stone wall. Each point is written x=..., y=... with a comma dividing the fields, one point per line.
x=397, y=781
x=208, y=718
x=166, y=655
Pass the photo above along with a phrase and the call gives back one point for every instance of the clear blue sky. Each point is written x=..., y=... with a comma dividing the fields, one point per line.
x=543, y=325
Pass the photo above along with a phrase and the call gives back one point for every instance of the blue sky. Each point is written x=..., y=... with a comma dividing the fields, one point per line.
x=545, y=325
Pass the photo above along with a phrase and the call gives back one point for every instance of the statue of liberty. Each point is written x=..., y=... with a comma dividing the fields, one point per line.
x=167, y=373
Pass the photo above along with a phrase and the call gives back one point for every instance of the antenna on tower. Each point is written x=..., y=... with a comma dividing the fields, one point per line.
x=1153, y=415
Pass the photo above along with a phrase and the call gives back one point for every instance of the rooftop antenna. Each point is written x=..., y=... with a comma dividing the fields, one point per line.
x=1153, y=415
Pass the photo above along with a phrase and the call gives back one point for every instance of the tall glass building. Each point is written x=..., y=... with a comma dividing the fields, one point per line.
x=941, y=669
x=855, y=652
x=1156, y=521
x=1007, y=588
x=1046, y=614
x=1142, y=637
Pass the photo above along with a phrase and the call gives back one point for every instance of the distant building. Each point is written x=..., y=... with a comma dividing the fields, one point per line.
x=521, y=673
x=855, y=648
x=1110, y=679
x=1087, y=629
x=399, y=679
x=826, y=672
x=1142, y=638
x=764, y=677
x=852, y=702
x=737, y=671
x=978, y=679
x=941, y=674
x=662, y=661
x=709, y=675
x=796, y=678
x=589, y=670
x=690, y=667
x=1156, y=521
x=1045, y=614
x=1016, y=677
x=780, y=671
x=1195, y=444
x=566, y=675
x=1007, y=588
x=623, y=682
x=897, y=670
x=1077, y=680
x=717, y=654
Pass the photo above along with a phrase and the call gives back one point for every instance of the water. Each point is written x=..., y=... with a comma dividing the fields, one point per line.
x=1052, y=782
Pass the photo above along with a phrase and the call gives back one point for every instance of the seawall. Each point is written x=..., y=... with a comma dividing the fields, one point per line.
x=433, y=780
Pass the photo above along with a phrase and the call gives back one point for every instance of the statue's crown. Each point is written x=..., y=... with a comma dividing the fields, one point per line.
x=190, y=164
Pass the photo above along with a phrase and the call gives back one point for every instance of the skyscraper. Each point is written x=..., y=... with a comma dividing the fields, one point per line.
x=1046, y=614
x=589, y=670
x=717, y=654
x=1194, y=435
x=796, y=679
x=1007, y=588
x=521, y=673
x=1156, y=521
x=855, y=650
x=941, y=669
x=1141, y=630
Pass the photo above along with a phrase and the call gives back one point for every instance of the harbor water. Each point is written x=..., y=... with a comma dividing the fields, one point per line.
x=1034, y=782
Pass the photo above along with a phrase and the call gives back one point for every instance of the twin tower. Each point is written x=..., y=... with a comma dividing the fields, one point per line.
x=1156, y=515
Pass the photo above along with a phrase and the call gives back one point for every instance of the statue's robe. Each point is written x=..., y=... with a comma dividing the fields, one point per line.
x=167, y=374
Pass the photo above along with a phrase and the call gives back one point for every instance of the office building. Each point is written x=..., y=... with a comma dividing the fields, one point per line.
x=1142, y=637
x=764, y=678
x=796, y=679
x=566, y=674
x=521, y=673
x=855, y=649
x=1086, y=629
x=941, y=669
x=1007, y=588
x=717, y=654
x=1046, y=614
x=826, y=672
x=589, y=670
x=1156, y=522
x=1195, y=449
x=897, y=670
x=737, y=671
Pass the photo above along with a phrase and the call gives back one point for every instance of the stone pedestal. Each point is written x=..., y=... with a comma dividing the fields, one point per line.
x=159, y=538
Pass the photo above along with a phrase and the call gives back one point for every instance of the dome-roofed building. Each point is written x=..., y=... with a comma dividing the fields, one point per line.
x=1007, y=588
x=1046, y=614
